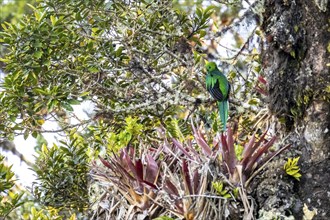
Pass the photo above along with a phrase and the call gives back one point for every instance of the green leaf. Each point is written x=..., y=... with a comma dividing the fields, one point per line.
x=195, y=39
x=44, y=149
x=67, y=106
x=199, y=12
x=53, y=20
x=37, y=15
x=73, y=102
x=38, y=54
x=41, y=91
x=291, y=168
x=26, y=134
x=31, y=6
x=253, y=101
x=210, y=8
x=202, y=33
x=119, y=51
x=84, y=94
x=3, y=25
x=51, y=104
x=35, y=134
x=93, y=69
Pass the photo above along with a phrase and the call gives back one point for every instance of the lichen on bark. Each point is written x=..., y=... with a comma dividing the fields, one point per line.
x=295, y=63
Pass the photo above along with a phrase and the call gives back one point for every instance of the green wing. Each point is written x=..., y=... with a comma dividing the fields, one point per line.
x=223, y=83
x=217, y=85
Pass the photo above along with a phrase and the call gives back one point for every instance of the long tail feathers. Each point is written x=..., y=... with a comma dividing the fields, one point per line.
x=223, y=112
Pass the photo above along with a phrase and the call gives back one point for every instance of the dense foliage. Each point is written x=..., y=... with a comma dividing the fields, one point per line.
x=9, y=197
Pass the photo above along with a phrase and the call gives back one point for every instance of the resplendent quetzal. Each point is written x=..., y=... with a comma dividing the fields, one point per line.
x=219, y=88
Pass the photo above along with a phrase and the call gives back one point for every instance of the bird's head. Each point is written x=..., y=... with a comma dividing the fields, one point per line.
x=210, y=66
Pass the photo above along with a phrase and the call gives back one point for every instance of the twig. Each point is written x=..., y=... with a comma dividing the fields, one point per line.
x=68, y=127
x=207, y=196
x=240, y=19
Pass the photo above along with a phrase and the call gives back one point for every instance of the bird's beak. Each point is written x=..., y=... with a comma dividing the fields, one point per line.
x=206, y=62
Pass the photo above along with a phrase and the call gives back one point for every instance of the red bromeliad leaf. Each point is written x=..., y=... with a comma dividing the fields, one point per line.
x=261, y=139
x=205, y=147
x=196, y=179
x=118, y=171
x=270, y=143
x=259, y=152
x=150, y=184
x=131, y=165
x=170, y=188
x=196, y=155
x=271, y=155
x=186, y=176
x=216, y=145
x=251, y=148
x=225, y=153
x=152, y=170
x=105, y=163
x=120, y=168
x=178, y=145
x=261, y=90
x=248, y=150
x=231, y=151
x=262, y=80
x=265, y=160
x=201, y=141
x=139, y=169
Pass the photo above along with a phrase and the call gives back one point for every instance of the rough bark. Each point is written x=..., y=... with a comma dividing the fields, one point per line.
x=295, y=63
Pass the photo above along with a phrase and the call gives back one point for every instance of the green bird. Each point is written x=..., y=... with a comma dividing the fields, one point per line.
x=219, y=88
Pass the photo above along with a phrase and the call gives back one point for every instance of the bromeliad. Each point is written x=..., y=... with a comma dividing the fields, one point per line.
x=219, y=88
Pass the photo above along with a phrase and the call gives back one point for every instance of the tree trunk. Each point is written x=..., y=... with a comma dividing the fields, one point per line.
x=296, y=63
